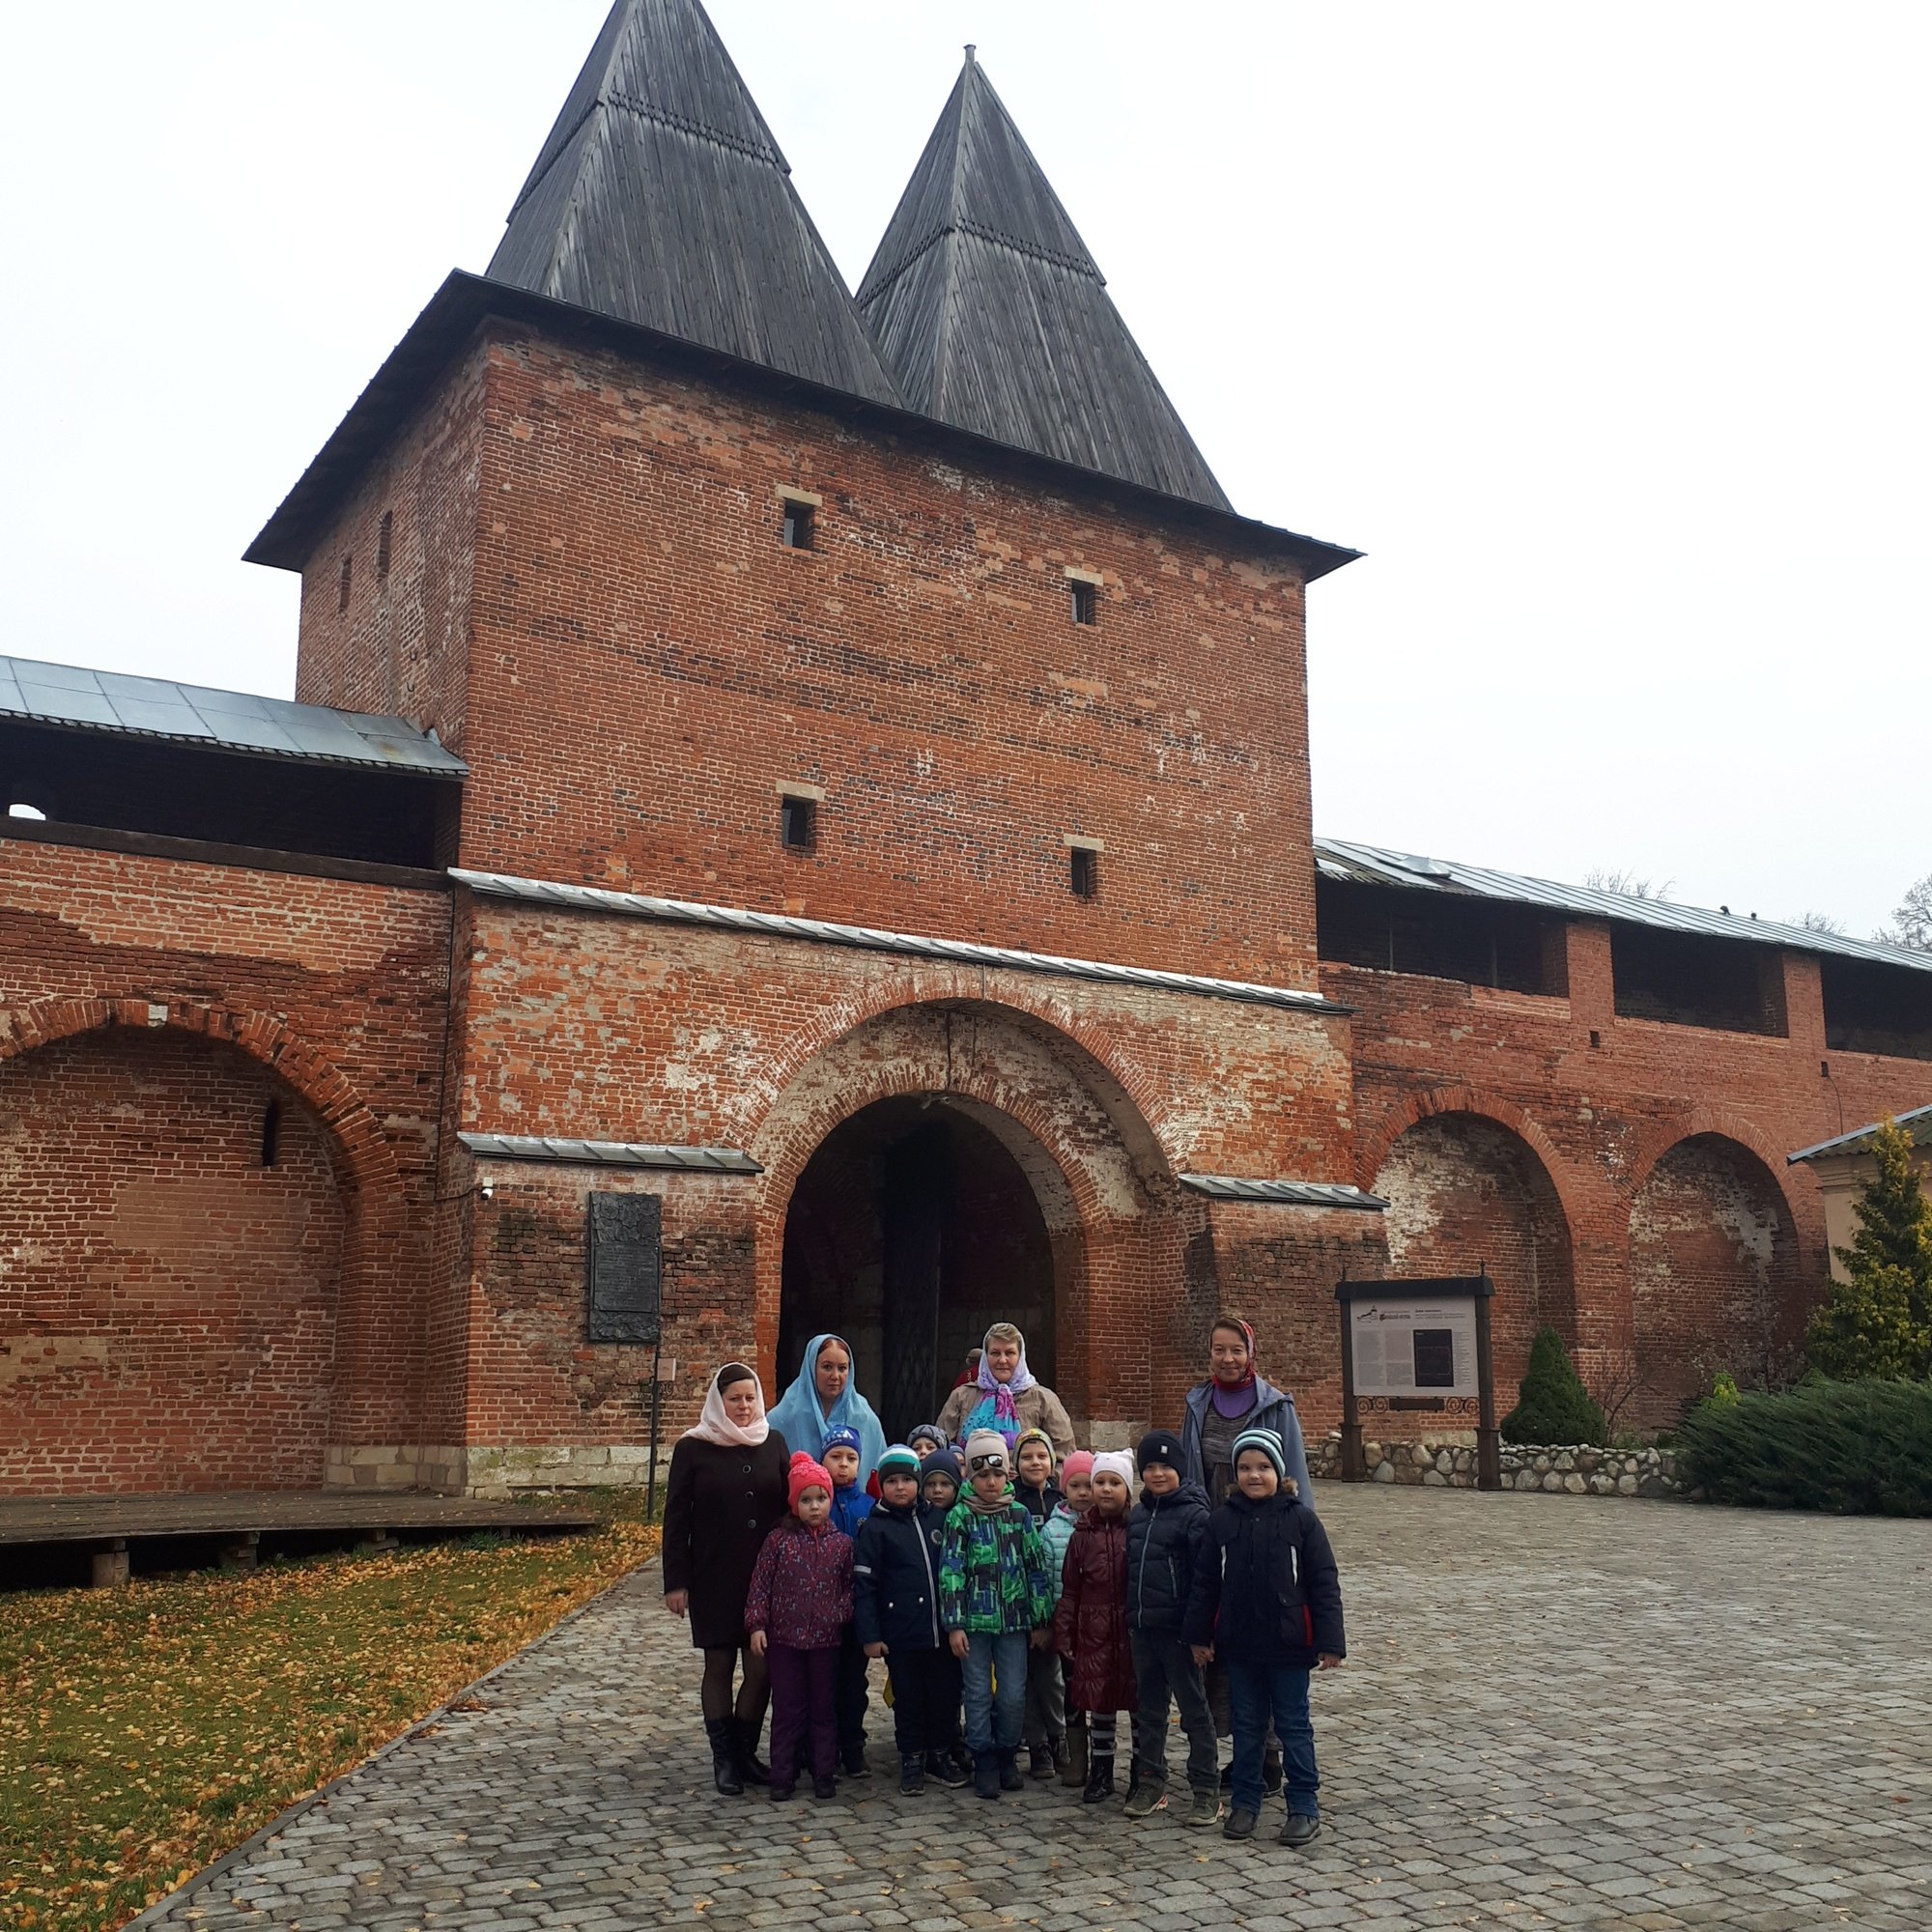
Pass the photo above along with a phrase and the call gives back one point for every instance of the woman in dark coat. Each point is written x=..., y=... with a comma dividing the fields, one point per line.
x=727, y=1489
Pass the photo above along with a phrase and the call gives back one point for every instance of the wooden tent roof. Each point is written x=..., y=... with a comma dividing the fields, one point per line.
x=661, y=198
x=992, y=315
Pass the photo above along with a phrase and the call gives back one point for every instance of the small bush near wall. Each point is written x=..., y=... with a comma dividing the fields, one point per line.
x=1856, y=1448
x=1552, y=1405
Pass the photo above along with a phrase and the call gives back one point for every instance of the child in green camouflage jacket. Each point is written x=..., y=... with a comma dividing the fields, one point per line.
x=995, y=1597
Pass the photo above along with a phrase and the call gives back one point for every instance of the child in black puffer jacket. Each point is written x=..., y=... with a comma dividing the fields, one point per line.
x=1167, y=1538
x=1266, y=1601
x=895, y=1615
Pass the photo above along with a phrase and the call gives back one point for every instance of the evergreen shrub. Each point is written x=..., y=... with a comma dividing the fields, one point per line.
x=1861, y=1448
x=1552, y=1405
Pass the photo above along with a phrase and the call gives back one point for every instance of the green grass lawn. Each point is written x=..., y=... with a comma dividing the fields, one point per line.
x=145, y=1730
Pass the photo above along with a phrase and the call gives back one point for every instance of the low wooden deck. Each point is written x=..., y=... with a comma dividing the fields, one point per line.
x=239, y=1519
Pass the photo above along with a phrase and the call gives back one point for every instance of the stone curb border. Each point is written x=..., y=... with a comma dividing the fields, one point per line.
x=152, y=1916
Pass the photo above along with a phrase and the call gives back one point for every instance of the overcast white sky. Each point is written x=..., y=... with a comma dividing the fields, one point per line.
x=1602, y=329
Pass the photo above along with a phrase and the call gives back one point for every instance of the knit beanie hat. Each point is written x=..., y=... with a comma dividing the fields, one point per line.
x=840, y=1436
x=1027, y=1436
x=941, y=1463
x=897, y=1461
x=925, y=1432
x=1267, y=1442
x=804, y=1474
x=1116, y=1462
x=1158, y=1445
x=987, y=1446
x=1079, y=1463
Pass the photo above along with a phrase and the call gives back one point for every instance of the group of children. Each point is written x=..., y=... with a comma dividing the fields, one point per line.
x=1045, y=1605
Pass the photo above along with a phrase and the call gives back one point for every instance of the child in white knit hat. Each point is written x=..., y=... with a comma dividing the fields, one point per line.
x=1090, y=1626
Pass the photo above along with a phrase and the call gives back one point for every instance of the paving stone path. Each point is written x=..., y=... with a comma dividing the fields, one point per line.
x=1558, y=1712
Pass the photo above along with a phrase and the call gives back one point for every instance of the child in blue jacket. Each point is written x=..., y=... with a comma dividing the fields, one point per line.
x=850, y=1507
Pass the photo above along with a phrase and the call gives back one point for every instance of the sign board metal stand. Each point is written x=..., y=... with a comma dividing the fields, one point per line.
x=1421, y=1349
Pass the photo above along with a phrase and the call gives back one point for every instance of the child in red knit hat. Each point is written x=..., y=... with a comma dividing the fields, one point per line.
x=798, y=1604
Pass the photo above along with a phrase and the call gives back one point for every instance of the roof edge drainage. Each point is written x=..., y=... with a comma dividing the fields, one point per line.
x=1284, y=1193
x=609, y=1153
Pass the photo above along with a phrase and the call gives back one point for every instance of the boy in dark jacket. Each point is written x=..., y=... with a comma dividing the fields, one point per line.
x=1167, y=1539
x=1267, y=1603
x=895, y=1615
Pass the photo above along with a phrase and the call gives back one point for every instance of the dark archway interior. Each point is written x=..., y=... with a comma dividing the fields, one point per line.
x=911, y=1228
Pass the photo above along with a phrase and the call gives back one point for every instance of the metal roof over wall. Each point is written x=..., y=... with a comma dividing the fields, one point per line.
x=229, y=721
x=1918, y=1122
x=1409, y=872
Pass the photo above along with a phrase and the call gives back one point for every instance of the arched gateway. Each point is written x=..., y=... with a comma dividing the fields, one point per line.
x=947, y=1164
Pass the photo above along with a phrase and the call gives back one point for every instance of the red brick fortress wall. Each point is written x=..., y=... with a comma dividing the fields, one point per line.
x=175, y=1310
x=1631, y=1170
x=632, y=1029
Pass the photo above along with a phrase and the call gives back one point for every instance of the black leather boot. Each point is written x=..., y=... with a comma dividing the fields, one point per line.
x=746, y=1738
x=723, y=1733
x=1100, y=1779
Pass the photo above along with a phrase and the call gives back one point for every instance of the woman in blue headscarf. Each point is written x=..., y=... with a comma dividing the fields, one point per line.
x=823, y=1396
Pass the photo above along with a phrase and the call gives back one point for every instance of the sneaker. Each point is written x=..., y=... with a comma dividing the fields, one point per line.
x=1300, y=1831
x=987, y=1775
x=1062, y=1756
x=939, y=1765
x=780, y=1791
x=1204, y=1808
x=824, y=1788
x=1009, y=1772
x=1039, y=1761
x=912, y=1775
x=854, y=1764
x=1145, y=1797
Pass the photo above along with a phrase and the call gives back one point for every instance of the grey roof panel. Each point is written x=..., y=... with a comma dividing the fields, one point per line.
x=784, y=925
x=1287, y=1193
x=661, y=198
x=1345, y=861
x=993, y=316
x=236, y=721
x=1917, y=1121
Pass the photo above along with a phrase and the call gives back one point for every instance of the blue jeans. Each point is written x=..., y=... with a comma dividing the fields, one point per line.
x=1259, y=1691
x=1003, y=1658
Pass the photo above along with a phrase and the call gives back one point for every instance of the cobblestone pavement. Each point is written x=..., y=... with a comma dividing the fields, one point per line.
x=1556, y=1712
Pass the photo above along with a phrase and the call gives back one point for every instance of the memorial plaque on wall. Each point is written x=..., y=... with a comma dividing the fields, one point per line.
x=623, y=1237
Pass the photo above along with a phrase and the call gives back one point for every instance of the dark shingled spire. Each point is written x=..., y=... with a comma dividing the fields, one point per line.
x=661, y=198
x=992, y=315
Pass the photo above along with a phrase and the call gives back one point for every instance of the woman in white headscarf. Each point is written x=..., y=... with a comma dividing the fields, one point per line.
x=727, y=1489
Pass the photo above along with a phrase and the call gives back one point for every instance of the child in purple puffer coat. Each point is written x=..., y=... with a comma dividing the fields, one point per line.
x=798, y=1604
